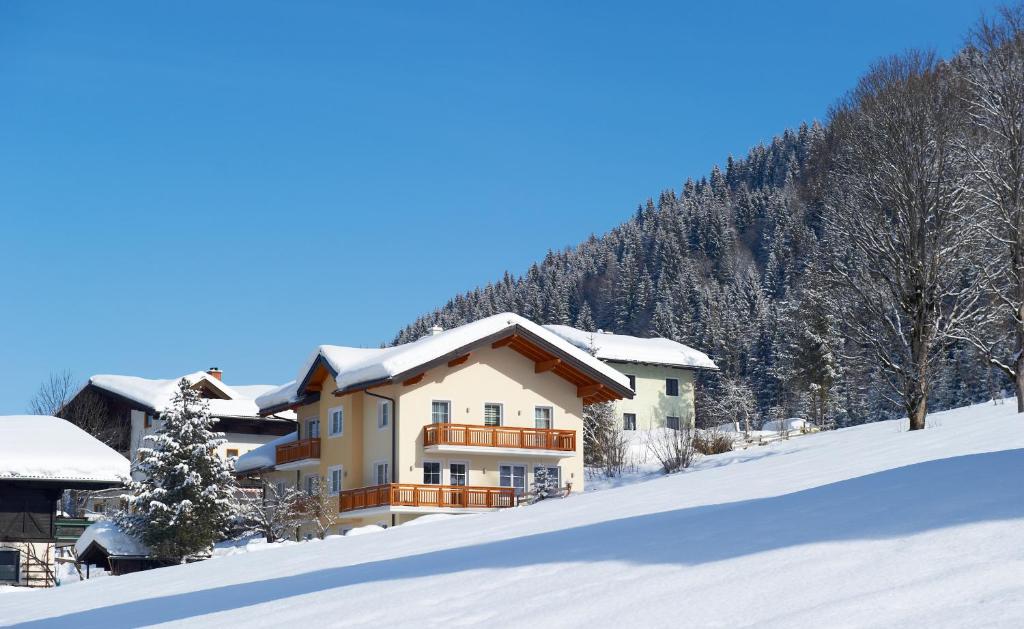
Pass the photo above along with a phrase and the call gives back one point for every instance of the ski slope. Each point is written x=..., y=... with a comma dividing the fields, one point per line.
x=867, y=526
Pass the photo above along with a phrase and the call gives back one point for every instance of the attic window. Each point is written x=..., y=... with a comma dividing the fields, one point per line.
x=10, y=563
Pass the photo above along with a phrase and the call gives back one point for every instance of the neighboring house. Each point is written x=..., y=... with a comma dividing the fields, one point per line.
x=457, y=421
x=136, y=403
x=661, y=373
x=40, y=457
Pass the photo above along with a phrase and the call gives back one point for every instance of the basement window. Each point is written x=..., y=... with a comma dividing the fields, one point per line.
x=10, y=564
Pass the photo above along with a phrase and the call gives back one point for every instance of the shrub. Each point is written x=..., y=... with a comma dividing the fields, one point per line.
x=712, y=442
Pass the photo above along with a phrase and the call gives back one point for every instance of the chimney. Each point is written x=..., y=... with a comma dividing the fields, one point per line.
x=215, y=372
x=434, y=331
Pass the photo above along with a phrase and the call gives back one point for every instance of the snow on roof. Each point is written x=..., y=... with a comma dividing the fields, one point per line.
x=110, y=536
x=632, y=349
x=263, y=456
x=157, y=394
x=355, y=365
x=40, y=447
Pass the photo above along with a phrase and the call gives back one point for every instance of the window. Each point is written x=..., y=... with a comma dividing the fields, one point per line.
x=632, y=382
x=629, y=421
x=279, y=487
x=148, y=421
x=458, y=473
x=542, y=416
x=492, y=414
x=672, y=387
x=312, y=485
x=672, y=422
x=380, y=473
x=513, y=476
x=383, y=414
x=554, y=474
x=440, y=412
x=313, y=429
x=334, y=480
x=336, y=426
x=10, y=563
x=431, y=473
x=232, y=453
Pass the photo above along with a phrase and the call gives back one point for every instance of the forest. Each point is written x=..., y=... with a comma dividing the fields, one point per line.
x=866, y=267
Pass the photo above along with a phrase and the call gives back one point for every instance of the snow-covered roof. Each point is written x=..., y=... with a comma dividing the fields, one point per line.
x=632, y=349
x=110, y=536
x=263, y=456
x=356, y=365
x=156, y=394
x=40, y=447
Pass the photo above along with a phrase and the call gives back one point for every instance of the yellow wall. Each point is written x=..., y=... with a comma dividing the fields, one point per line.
x=490, y=375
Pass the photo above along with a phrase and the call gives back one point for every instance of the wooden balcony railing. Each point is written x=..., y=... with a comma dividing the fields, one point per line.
x=298, y=450
x=499, y=437
x=451, y=496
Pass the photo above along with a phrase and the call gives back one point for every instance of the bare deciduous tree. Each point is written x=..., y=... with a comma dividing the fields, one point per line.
x=673, y=449
x=898, y=214
x=993, y=69
x=61, y=396
x=604, y=445
x=275, y=514
x=320, y=509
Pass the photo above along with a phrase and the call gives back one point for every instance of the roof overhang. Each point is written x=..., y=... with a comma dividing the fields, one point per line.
x=592, y=385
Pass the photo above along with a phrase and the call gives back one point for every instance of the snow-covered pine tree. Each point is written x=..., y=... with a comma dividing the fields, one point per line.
x=544, y=485
x=187, y=495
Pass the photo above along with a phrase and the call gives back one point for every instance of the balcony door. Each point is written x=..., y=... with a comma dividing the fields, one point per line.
x=513, y=476
x=440, y=412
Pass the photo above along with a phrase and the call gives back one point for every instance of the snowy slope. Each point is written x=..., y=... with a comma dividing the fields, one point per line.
x=869, y=526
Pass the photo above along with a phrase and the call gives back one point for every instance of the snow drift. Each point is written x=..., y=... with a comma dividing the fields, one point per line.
x=870, y=525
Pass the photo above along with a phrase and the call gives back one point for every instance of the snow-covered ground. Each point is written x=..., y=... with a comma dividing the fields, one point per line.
x=868, y=526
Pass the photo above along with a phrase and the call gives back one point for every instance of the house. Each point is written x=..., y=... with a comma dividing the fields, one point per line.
x=458, y=421
x=40, y=457
x=661, y=374
x=135, y=404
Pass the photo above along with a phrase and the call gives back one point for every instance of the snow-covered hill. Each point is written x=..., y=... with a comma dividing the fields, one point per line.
x=869, y=526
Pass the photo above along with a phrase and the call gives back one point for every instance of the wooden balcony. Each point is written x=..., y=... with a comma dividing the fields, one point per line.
x=297, y=451
x=441, y=496
x=499, y=437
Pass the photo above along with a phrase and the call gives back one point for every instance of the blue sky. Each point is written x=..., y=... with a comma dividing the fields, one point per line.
x=191, y=184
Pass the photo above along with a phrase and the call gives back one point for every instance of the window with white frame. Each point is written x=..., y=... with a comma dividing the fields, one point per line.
x=336, y=423
x=431, y=472
x=383, y=414
x=334, y=475
x=554, y=473
x=629, y=421
x=313, y=428
x=458, y=473
x=492, y=414
x=312, y=485
x=513, y=476
x=543, y=416
x=380, y=473
x=440, y=412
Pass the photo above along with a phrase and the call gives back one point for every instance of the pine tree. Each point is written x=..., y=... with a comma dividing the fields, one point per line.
x=544, y=485
x=187, y=496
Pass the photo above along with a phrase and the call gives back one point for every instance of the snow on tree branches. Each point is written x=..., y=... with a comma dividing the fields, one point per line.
x=186, y=497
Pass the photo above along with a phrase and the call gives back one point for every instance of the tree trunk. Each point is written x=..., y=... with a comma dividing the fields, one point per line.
x=1019, y=381
x=916, y=412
